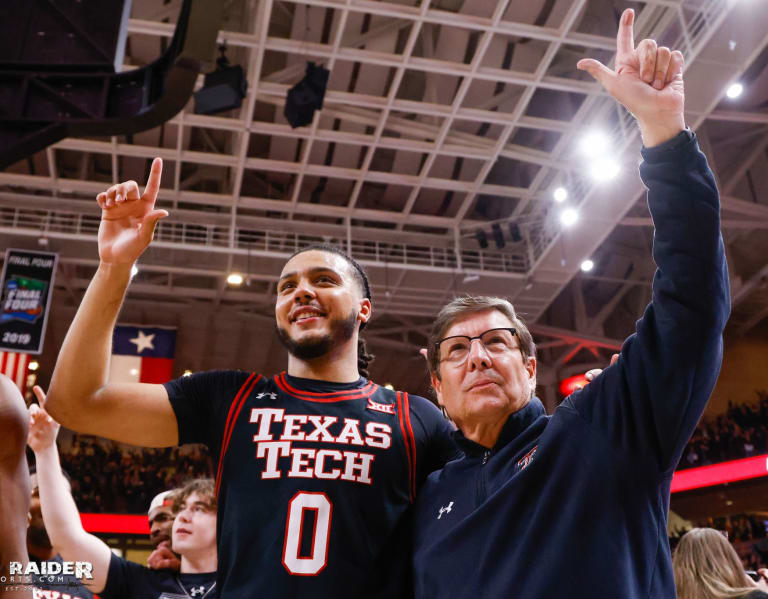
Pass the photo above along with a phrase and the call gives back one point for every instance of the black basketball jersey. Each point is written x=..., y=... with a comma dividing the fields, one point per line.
x=314, y=480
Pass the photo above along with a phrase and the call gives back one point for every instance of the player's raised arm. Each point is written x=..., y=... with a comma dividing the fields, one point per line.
x=60, y=515
x=79, y=396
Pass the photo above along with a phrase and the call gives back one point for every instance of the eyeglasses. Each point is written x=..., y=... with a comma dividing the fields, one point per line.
x=496, y=342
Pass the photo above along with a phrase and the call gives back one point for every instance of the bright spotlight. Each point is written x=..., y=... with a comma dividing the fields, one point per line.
x=569, y=216
x=134, y=270
x=560, y=195
x=187, y=373
x=604, y=169
x=235, y=279
x=389, y=386
x=595, y=143
x=33, y=365
x=587, y=265
x=734, y=90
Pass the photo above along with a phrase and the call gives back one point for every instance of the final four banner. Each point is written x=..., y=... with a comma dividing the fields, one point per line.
x=27, y=286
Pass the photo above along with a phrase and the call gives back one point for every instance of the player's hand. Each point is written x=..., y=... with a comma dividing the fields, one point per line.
x=128, y=219
x=647, y=80
x=42, y=428
x=163, y=558
x=590, y=375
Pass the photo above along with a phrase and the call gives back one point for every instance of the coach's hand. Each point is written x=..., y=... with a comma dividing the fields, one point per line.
x=128, y=219
x=42, y=428
x=647, y=80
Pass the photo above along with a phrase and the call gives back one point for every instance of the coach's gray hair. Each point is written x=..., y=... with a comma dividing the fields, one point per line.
x=470, y=304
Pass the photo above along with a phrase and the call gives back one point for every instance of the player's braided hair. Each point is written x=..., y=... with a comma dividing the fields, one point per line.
x=363, y=357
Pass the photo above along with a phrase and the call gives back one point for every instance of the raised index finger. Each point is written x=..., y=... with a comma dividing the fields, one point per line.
x=625, y=39
x=153, y=182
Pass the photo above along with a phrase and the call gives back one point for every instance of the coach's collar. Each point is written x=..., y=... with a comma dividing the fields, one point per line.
x=515, y=425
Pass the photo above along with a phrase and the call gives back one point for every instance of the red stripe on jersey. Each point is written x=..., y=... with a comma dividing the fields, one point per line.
x=234, y=412
x=407, y=445
x=327, y=394
x=411, y=439
x=346, y=395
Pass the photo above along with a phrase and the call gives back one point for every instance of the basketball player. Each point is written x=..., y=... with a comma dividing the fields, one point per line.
x=14, y=486
x=317, y=467
x=113, y=577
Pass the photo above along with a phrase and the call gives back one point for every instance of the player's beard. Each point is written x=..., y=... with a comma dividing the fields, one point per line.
x=341, y=330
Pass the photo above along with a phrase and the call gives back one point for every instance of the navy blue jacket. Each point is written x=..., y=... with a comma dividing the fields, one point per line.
x=576, y=504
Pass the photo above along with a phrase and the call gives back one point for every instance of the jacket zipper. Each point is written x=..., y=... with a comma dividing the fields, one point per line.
x=481, y=489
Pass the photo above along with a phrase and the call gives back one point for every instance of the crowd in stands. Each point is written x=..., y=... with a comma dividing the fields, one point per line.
x=112, y=477
x=738, y=433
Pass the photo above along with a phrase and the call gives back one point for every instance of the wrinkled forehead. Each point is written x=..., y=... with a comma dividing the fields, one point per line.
x=475, y=323
x=314, y=260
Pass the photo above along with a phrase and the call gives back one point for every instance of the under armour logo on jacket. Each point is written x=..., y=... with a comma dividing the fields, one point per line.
x=272, y=396
x=445, y=510
x=195, y=590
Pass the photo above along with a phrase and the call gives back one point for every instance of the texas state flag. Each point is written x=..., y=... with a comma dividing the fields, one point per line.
x=142, y=354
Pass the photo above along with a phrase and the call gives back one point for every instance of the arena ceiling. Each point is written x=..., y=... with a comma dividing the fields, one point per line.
x=441, y=117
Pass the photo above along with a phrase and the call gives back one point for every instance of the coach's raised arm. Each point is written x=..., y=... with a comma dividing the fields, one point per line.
x=576, y=504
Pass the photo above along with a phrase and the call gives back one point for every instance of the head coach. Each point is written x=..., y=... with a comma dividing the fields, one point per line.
x=575, y=504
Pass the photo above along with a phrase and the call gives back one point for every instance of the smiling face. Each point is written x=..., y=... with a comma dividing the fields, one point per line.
x=488, y=386
x=319, y=304
x=194, y=529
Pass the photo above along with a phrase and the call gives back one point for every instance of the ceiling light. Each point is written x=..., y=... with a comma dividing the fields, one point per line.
x=187, y=373
x=569, y=216
x=595, y=143
x=389, y=386
x=587, y=265
x=560, y=195
x=604, y=169
x=734, y=90
x=134, y=270
x=235, y=279
x=33, y=365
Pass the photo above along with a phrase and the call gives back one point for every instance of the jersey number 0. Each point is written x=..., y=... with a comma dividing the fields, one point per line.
x=318, y=556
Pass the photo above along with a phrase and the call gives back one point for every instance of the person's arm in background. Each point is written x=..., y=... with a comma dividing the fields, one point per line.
x=60, y=515
x=649, y=402
x=14, y=482
x=79, y=396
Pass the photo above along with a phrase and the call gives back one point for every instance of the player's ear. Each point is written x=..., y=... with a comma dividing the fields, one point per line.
x=366, y=310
